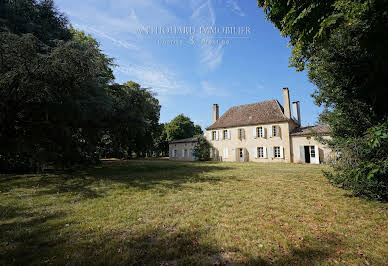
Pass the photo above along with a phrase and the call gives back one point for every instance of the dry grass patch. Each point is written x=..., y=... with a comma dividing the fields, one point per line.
x=172, y=213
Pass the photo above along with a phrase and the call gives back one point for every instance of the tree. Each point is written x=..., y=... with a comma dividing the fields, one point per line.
x=342, y=44
x=181, y=127
x=52, y=91
x=202, y=149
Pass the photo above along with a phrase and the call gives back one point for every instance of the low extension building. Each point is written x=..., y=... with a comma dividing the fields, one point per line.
x=182, y=150
x=266, y=132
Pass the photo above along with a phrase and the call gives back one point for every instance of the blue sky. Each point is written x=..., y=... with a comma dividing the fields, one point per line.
x=188, y=78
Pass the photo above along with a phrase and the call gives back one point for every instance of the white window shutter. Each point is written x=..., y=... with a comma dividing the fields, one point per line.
x=211, y=153
x=255, y=152
x=271, y=152
x=301, y=154
x=270, y=131
x=217, y=135
x=226, y=155
x=265, y=152
x=281, y=152
x=254, y=132
x=228, y=133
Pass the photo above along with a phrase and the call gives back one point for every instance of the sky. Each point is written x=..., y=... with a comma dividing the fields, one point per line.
x=187, y=53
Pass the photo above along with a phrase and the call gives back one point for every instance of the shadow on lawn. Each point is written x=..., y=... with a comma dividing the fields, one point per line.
x=161, y=245
x=159, y=175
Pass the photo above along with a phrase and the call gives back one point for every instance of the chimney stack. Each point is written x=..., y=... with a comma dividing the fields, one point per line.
x=296, y=112
x=286, y=103
x=215, y=112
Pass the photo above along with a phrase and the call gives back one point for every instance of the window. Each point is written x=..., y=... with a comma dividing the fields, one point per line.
x=260, y=152
x=275, y=131
x=225, y=133
x=175, y=153
x=214, y=135
x=260, y=132
x=240, y=133
x=312, y=151
x=277, y=152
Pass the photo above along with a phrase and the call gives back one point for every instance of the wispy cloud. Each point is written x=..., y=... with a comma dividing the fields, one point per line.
x=211, y=90
x=163, y=81
x=203, y=14
x=232, y=4
x=102, y=34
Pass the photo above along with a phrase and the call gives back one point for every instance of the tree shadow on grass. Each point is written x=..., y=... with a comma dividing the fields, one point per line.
x=162, y=175
x=157, y=245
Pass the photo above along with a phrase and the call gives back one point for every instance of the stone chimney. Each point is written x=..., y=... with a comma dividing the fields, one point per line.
x=286, y=103
x=296, y=112
x=215, y=112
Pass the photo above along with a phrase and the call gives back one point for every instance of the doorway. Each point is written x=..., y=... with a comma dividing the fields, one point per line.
x=241, y=154
x=307, y=154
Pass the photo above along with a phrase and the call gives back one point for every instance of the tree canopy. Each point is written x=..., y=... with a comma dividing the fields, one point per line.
x=182, y=127
x=342, y=44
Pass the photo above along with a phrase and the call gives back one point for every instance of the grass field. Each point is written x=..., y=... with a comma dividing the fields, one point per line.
x=171, y=213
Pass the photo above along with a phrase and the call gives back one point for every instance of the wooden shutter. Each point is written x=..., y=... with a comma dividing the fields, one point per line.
x=271, y=152
x=183, y=153
x=281, y=152
x=270, y=131
x=279, y=131
x=229, y=134
x=254, y=132
x=301, y=154
x=255, y=152
x=264, y=132
x=264, y=152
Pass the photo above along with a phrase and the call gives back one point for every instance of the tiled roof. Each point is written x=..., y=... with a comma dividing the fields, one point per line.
x=251, y=114
x=320, y=130
x=193, y=139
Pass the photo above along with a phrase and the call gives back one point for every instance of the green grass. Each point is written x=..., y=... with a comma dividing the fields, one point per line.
x=168, y=213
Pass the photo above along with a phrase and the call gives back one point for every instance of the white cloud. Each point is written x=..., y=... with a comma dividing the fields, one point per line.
x=203, y=14
x=163, y=81
x=235, y=7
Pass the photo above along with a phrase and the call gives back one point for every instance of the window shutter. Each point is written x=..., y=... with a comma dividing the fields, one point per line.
x=183, y=153
x=264, y=132
x=226, y=153
x=228, y=133
x=281, y=152
x=264, y=152
x=254, y=132
x=271, y=152
x=279, y=132
x=211, y=153
x=217, y=135
x=255, y=152
x=270, y=131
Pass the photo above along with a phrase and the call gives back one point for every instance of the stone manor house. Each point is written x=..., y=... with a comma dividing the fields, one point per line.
x=259, y=132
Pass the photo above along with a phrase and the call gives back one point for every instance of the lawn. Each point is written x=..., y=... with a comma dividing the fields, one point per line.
x=174, y=213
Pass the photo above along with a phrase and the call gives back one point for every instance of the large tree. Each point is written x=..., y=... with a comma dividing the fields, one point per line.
x=342, y=44
x=182, y=127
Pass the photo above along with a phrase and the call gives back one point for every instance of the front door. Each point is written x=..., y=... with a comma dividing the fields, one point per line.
x=307, y=154
x=241, y=154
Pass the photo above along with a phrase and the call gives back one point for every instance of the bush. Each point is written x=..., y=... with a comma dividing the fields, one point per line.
x=363, y=164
